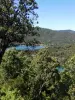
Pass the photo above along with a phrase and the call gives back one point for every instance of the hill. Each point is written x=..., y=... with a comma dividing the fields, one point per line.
x=49, y=36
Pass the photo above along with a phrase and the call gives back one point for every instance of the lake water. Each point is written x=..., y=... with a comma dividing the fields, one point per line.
x=31, y=48
x=60, y=68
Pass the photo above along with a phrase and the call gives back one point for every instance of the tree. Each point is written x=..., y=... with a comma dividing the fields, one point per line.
x=16, y=72
x=49, y=84
x=36, y=78
x=70, y=69
x=9, y=94
x=16, y=21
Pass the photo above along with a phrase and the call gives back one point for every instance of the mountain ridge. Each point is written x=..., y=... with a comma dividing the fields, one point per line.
x=56, y=36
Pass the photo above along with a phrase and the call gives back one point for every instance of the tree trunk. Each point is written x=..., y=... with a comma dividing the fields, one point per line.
x=2, y=52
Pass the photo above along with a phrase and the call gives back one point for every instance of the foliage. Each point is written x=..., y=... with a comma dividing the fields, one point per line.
x=70, y=65
x=54, y=37
x=6, y=93
x=16, y=21
x=49, y=84
x=16, y=71
x=34, y=77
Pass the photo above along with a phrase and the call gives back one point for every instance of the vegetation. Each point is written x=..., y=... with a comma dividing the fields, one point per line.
x=16, y=21
x=53, y=37
x=33, y=78
x=26, y=75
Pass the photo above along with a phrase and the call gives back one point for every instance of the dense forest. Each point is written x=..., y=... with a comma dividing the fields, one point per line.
x=56, y=37
x=27, y=77
x=34, y=75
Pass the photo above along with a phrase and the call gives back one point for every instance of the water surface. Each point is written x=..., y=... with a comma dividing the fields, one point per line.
x=24, y=47
x=60, y=68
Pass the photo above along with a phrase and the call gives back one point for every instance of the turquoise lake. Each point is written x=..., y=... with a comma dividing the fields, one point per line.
x=31, y=48
x=60, y=68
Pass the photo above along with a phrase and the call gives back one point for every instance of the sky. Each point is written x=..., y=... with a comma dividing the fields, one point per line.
x=56, y=14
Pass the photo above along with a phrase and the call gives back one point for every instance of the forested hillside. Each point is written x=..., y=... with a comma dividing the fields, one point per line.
x=27, y=74
x=56, y=37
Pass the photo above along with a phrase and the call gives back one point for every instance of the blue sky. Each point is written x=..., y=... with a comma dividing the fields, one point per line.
x=56, y=14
